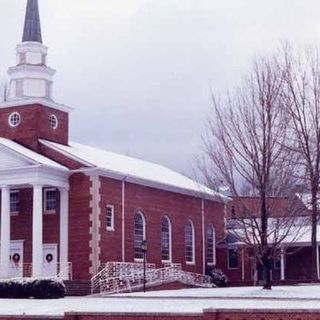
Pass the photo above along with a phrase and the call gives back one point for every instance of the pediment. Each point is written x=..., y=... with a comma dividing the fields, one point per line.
x=12, y=159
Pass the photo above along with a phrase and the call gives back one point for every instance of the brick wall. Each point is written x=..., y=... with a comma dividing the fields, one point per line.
x=155, y=204
x=207, y=315
x=34, y=125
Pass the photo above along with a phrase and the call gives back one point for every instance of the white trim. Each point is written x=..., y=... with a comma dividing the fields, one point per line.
x=31, y=175
x=29, y=155
x=28, y=101
x=94, y=231
x=110, y=228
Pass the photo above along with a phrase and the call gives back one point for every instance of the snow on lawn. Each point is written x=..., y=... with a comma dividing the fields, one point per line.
x=178, y=301
x=299, y=292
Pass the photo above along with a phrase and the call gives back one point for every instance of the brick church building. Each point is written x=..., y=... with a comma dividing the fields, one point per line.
x=67, y=207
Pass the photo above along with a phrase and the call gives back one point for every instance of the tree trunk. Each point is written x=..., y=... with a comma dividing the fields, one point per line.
x=266, y=265
x=314, y=244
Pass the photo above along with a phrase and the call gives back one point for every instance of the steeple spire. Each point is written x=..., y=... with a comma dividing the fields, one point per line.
x=32, y=27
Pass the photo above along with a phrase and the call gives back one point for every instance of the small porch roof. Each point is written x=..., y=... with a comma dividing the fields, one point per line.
x=22, y=166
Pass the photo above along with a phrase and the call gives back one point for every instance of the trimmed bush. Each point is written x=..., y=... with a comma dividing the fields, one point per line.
x=218, y=278
x=32, y=288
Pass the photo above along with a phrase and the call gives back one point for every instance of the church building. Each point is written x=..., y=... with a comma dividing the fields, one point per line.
x=67, y=209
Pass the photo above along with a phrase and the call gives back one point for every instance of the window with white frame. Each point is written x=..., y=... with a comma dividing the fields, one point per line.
x=14, y=119
x=139, y=234
x=189, y=242
x=14, y=202
x=53, y=121
x=166, y=240
x=211, y=245
x=50, y=200
x=110, y=217
x=233, y=259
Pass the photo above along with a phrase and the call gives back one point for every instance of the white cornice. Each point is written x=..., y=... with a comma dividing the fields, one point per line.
x=35, y=174
x=27, y=70
x=29, y=101
x=152, y=184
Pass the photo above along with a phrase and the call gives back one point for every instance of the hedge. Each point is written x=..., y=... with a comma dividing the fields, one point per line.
x=32, y=288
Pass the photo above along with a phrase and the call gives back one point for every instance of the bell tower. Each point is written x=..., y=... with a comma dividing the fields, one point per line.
x=30, y=113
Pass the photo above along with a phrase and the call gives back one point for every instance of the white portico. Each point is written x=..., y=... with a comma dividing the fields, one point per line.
x=23, y=168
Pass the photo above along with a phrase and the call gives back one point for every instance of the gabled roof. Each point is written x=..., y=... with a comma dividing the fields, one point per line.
x=134, y=170
x=32, y=27
x=29, y=155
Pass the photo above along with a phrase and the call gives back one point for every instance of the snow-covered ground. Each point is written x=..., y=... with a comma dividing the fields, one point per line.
x=298, y=292
x=179, y=301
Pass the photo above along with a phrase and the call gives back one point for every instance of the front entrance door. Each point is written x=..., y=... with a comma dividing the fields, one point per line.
x=50, y=260
x=16, y=259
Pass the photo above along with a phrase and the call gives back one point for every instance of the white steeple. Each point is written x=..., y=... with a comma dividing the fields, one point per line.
x=31, y=77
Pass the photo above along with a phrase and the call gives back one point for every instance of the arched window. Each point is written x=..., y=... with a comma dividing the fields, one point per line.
x=211, y=245
x=189, y=242
x=139, y=234
x=166, y=240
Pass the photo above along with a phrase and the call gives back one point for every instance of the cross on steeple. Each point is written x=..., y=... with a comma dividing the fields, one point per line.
x=32, y=27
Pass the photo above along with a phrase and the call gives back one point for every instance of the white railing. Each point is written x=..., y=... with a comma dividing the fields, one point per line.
x=154, y=277
x=117, y=270
x=53, y=270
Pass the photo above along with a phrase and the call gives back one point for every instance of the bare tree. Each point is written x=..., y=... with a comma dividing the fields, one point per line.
x=245, y=146
x=4, y=91
x=302, y=102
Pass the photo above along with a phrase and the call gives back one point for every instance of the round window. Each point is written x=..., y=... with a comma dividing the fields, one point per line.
x=53, y=121
x=14, y=119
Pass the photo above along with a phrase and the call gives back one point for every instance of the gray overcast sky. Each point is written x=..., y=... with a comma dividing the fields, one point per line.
x=138, y=72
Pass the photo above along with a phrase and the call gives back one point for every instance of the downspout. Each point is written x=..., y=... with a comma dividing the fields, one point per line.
x=123, y=199
x=203, y=239
x=242, y=263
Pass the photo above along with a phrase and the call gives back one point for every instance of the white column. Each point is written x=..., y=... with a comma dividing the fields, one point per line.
x=37, y=232
x=282, y=264
x=5, y=232
x=64, y=227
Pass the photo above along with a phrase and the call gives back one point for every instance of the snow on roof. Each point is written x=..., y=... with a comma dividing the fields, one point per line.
x=306, y=198
x=299, y=232
x=139, y=171
x=31, y=155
